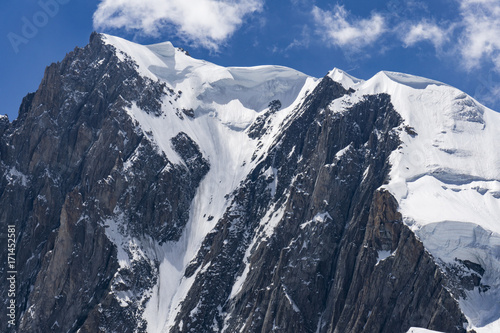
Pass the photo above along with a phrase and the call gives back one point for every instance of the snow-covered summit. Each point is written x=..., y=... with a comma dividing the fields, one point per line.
x=446, y=177
x=206, y=84
x=346, y=80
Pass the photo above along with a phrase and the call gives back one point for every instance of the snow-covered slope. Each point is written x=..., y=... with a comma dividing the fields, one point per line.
x=445, y=176
x=225, y=102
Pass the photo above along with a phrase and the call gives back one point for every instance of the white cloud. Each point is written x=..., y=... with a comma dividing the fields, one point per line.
x=425, y=31
x=480, y=39
x=207, y=23
x=337, y=28
x=473, y=36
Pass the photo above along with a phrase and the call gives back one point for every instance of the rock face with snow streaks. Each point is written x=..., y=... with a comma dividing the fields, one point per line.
x=77, y=158
x=154, y=192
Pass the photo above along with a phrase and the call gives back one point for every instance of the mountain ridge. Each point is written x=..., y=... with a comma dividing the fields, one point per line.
x=188, y=203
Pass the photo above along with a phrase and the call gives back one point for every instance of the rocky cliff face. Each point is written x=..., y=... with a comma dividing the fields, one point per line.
x=70, y=159
x=307, y=242
x=317, y=271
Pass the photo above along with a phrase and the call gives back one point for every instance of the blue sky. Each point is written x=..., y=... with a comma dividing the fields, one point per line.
x=453, y=41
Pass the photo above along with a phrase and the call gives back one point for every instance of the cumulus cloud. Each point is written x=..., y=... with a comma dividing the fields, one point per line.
x=474, y=36
x=338, y=28
x=480, y=39
x=425, y=31
x=207, y=23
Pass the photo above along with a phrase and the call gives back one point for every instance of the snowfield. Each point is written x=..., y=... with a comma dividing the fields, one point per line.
x=445, y=175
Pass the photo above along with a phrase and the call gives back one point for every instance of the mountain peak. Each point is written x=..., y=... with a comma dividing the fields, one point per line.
x=346, y=80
